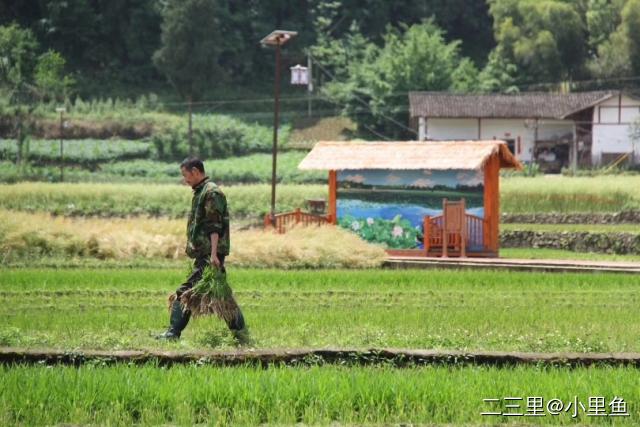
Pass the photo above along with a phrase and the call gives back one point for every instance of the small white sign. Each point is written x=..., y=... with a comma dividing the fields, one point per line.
x=299, y=75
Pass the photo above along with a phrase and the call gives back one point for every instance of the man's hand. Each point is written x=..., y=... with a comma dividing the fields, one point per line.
x=215, y=260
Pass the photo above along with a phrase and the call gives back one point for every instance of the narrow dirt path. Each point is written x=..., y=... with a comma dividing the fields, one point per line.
x=342, y=356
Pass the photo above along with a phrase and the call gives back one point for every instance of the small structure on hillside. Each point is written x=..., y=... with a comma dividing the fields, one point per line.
x=404, y=194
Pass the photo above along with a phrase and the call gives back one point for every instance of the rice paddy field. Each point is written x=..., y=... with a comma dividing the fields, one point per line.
x=479, y=310
x=110, y=309
x=90, y=266
x=314, y=395
x=518, y=195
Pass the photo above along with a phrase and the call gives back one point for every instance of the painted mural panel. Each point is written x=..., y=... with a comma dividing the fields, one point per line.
x=388, y=207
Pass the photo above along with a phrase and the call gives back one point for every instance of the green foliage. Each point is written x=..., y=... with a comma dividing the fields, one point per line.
x=149, y=394
x=530, y=169
x=103, y=41
x=564, y=195
x=18, y=52
x=602, y=18
x=518, y=195
x=395, y=234
x=109, y=45
x=251, y=169
x=50, y=78
x=612, y=59
x=213, y=283
x=618, y=38
x=147, y=199
x=630, y=26
x=78, y=151
x=418, y=58
x=498, y=75
x=336, y=54
x=215, y=137
x=192, y=40
x=466, y=309
x=545, y=39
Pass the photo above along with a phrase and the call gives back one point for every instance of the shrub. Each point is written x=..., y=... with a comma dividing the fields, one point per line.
x=215, y=137
x=79, y=151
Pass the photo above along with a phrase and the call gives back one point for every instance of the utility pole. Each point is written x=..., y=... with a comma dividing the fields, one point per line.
x=190, y=125
x=309, y=85
x=277, y=38
x=61, y=110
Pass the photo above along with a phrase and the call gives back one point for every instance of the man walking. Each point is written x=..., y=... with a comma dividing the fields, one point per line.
x=208, y=241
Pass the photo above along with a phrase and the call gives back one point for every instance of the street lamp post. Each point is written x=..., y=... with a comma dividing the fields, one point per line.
x=61, y=110
x=276, y=38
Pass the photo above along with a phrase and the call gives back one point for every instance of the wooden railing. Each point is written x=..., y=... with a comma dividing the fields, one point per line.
x=475, y=231
x=433, y=227
x=284, y=221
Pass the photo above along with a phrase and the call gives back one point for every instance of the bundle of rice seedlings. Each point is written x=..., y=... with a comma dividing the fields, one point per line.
x=211, y=295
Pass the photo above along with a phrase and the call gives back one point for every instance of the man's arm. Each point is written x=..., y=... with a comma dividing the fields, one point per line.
x=214, y=249
x=213, y=223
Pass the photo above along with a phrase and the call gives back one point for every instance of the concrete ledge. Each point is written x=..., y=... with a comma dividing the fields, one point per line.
x=559, y=266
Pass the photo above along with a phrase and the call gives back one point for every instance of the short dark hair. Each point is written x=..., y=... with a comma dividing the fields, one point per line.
x=192, y=162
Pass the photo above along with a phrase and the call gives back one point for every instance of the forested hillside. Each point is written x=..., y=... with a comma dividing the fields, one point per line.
x=367, y=54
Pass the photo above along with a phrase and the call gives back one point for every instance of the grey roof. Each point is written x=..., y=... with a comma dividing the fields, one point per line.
x=522, y=105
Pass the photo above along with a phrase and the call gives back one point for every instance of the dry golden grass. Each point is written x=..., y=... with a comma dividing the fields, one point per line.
x=36, y=234
x=304, y=247
x=24, y=234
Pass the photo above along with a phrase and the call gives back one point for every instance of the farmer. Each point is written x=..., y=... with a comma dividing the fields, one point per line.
x=207, y=241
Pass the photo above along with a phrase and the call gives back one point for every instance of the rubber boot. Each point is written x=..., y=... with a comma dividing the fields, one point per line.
x=237, y=323
x=178, y=319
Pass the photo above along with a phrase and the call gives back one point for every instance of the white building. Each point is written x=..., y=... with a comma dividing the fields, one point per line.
x=548, y=128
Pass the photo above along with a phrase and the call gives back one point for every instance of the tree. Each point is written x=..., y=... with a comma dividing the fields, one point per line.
x=334, y=54
x=49, y=76
x=418, y=58
x=498, y=75
x=630, y=27
x=191, y=45
x=602, y=17
x=543, y=38
x=18, y=52
x=619, y=54
x=612, y=59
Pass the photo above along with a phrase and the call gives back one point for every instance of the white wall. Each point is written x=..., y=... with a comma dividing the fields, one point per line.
x=612, y=139
x=452, y=129
x=611, y=127
x=462, y=129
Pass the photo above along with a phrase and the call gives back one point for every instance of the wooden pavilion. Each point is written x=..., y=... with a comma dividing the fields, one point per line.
x=434, y=198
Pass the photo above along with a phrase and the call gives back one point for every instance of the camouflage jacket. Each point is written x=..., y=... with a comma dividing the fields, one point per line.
x=209, y=214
